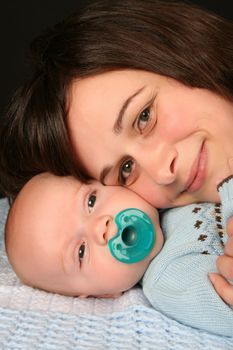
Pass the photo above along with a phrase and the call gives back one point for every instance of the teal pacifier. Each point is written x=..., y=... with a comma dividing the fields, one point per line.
x=135, y=236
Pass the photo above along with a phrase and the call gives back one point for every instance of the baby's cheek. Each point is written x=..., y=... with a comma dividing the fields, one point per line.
x=135, y=273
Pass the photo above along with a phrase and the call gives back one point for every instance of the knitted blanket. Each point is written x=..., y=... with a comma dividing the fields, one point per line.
x=33, y=319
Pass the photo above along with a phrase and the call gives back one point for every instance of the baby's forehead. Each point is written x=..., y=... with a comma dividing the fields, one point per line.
x=43, y=193
x=48, y=179
x=47, y=185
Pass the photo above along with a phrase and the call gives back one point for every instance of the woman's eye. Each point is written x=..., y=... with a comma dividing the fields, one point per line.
x=125, y=171
x=91, y=201
x=143, y=119
x=81, y=252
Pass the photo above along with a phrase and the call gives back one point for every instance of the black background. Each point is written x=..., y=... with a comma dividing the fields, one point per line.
x=22, y=20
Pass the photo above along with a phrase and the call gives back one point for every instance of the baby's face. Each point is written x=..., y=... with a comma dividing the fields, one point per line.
x=66, y=228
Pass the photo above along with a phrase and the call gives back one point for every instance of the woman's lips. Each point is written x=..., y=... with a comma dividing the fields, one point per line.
x=198, y=171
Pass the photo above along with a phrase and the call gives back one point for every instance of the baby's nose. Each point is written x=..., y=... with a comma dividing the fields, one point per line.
x=104, y=229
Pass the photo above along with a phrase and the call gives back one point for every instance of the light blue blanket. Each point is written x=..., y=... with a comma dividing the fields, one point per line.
x=33, y=319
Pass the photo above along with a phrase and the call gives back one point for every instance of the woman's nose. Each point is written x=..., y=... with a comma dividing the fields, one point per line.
x=160, y=164
x=102, y=229
x=165, y=174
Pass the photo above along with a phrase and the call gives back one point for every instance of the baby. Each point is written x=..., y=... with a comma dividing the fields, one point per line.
x=57, y=236
x=57, y=239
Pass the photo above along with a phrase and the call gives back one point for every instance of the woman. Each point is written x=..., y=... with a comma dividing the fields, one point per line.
x=132, y=92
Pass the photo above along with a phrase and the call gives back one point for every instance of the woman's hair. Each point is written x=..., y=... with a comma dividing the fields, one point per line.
x=170, y=38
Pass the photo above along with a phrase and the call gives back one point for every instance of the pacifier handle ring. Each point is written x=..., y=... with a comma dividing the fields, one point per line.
x=135, y=237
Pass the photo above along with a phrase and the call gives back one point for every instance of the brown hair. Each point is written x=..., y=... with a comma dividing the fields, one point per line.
x=170, y=38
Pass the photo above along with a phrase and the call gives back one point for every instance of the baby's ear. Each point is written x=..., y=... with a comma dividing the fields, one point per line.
x=113, y=296
x=83, y=296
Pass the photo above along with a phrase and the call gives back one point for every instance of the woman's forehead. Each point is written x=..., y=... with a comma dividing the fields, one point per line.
x=106, y=90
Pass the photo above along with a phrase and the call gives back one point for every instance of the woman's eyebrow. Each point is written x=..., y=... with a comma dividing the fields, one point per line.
x=117, y=128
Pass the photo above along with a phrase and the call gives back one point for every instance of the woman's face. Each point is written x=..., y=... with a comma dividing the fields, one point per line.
x=168, y=142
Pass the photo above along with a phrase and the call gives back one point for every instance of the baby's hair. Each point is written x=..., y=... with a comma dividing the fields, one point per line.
x=170, y=38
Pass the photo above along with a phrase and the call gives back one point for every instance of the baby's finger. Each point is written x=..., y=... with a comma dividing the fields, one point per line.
x=225, y=266
x=222, y=287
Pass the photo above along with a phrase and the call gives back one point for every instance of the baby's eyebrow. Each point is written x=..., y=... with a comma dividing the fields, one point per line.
x=67, y=255
x=117, y=127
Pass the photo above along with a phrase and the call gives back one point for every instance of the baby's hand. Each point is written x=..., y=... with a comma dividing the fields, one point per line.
x=225, y=268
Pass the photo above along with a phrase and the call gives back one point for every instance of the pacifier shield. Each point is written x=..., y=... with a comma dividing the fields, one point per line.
x=135, y=236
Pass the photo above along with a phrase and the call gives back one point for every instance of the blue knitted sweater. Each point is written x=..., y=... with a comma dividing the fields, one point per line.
x=176, y=282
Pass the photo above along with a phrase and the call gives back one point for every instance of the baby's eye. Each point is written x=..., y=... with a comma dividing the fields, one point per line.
x=143, y=119
x=126, y=170
x=81, y=252
x=91, y=201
